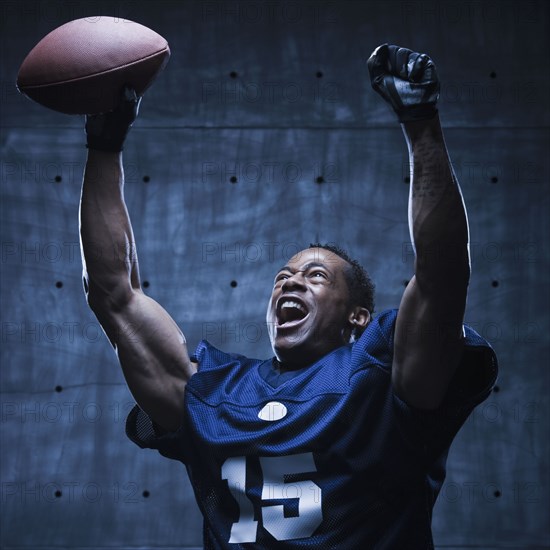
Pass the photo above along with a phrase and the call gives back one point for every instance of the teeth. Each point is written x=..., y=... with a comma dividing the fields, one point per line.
x=289, y=303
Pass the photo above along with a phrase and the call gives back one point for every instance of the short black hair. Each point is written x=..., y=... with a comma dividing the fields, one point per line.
x=361, y=286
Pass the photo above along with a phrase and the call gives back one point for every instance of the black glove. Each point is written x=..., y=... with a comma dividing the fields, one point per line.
x=107, y=131
x=407, y=80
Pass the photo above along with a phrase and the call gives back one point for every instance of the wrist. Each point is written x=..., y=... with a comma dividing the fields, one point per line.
x=106, y=146
x=108, y=137
x=104, y=155
x=428, y=128
x=417, y=112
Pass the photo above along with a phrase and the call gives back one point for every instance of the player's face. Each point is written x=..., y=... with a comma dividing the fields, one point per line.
x=308, y=313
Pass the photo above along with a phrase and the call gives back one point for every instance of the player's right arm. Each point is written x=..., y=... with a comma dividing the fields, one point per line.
x=151, y=349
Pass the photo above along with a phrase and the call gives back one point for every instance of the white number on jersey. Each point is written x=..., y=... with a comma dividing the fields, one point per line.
x=274, y=487
x=244, y=530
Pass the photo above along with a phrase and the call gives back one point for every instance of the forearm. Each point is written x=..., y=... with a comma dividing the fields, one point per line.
x=108, y=249
x=437, y=216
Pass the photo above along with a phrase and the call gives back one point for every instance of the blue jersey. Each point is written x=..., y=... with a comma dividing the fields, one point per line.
x=326, y=457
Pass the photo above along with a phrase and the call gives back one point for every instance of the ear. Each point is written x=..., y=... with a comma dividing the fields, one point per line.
x=359, y=317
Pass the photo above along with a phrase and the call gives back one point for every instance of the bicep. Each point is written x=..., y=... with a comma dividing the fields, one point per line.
x=428, y=343
x=153, y=354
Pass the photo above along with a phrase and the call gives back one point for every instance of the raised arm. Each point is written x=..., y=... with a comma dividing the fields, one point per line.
x=429, y=331
x=150, y=347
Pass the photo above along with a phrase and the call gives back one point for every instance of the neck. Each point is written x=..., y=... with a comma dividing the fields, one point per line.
x=296, y=363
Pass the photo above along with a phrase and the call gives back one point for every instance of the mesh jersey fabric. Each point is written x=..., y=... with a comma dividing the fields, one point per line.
x=335, y=460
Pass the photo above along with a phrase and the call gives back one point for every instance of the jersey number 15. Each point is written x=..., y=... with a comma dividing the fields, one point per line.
x=274, y=487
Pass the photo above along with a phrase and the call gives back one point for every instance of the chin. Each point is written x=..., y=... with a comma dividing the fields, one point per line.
x=304, y=345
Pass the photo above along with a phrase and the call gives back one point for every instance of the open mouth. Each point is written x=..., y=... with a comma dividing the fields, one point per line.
x=290, y=312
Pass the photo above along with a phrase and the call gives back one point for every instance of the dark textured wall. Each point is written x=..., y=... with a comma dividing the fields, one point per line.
x=275, y=94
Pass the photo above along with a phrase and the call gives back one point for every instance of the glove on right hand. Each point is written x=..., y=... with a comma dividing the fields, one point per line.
x=107, y=131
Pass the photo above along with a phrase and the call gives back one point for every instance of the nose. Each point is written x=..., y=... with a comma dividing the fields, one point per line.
x=296, y=280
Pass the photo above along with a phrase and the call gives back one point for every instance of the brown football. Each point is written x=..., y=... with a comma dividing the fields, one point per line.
x=82, y=66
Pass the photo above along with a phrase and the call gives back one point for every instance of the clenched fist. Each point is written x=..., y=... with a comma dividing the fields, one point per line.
x=407, y=80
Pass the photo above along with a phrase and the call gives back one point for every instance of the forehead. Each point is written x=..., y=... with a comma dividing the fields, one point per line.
x=331, y=261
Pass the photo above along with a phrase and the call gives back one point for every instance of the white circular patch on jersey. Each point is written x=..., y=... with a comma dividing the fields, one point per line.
x=272, y=411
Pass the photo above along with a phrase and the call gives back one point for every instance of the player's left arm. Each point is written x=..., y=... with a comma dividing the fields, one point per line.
x=429, y=328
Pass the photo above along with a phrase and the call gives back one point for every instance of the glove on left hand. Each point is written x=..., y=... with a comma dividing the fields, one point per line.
x=407, y=80
x=107, y=131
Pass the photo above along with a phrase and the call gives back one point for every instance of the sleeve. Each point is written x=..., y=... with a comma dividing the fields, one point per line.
x=433, y=431
x=145, y=433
